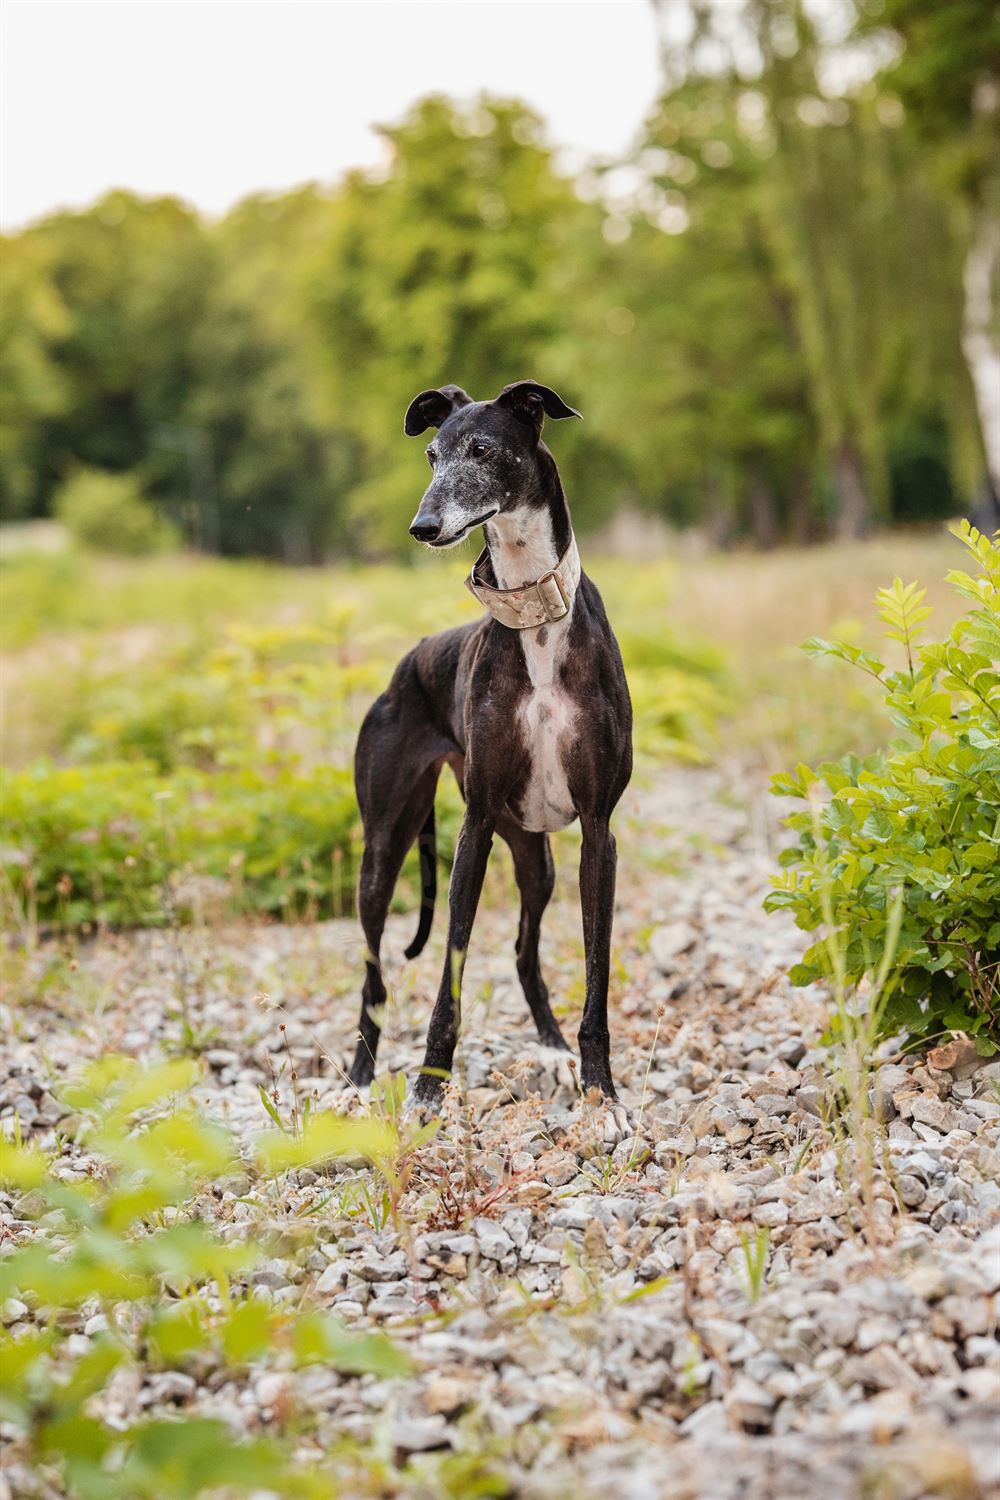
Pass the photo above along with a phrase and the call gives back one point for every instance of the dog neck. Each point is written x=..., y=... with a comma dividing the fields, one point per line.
x=529, y=571
x=521, y=546
x=529, y=540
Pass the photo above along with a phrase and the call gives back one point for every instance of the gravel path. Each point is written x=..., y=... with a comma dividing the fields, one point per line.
x=712, y=1308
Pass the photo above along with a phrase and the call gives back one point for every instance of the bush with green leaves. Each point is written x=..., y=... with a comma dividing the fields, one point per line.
x=122, y=1229
x=108, y=512
x=912, y=833
x=121, y=845
x=219, y=786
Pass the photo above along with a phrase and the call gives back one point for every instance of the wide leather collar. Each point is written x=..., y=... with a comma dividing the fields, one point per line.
x=543, y=602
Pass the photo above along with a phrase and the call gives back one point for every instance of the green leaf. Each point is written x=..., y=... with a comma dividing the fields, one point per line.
x=326, y=1136
x=321, y=1336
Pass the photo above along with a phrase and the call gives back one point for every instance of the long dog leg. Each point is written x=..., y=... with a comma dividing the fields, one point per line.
x=535, y=875
x=471, y=855
x=597, y=899
x=385, y=850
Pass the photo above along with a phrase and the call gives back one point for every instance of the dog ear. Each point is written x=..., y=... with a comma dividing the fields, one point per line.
x=431, y=408
x=529, y=401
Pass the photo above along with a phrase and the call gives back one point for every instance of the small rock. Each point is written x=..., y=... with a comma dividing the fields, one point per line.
x=375, y=1267
x=837, y=1322
x=667, y=943
x=334, y=1278
x=272, y=1392
x=416, y=1435
x=792, y=1051
x=447, y=1395
x=494, y=1242
x=875, y=1331
x=749, y=1403
x=171, y=1385
x=810, y=1100
x=959, y=1057
x=911, y=1190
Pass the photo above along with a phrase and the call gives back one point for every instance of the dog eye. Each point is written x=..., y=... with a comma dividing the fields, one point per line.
x=431, y=457
x=480, y=450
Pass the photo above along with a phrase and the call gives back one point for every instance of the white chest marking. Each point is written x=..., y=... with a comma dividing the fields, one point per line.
x=547, y=714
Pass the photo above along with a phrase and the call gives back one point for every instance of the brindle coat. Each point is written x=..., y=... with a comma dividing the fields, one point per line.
x=536, y=725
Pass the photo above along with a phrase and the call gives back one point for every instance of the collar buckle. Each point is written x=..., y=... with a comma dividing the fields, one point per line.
x=552, y=596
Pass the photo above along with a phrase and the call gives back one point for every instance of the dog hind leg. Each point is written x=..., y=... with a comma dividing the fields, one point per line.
x=385, y=850
x=471, y=854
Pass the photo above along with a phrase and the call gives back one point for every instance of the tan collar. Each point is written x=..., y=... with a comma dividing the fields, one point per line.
x=548, y=599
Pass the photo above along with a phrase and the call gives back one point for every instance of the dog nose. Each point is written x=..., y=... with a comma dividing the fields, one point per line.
x=425, y=531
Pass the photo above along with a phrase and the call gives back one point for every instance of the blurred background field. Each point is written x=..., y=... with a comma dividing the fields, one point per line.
x=179, y=730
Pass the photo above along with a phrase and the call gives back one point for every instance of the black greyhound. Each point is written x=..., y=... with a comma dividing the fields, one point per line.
x=528, y=705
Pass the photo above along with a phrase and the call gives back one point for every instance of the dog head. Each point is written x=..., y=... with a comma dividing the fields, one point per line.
x=484, y=456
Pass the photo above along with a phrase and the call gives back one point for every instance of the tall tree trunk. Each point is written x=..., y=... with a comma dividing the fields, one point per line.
x=763, y=508
x=719, y=526
x=800, y=509
x=979, y=343
x=854, y=511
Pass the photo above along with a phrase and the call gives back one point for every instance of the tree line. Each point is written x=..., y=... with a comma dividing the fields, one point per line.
x=778, y=313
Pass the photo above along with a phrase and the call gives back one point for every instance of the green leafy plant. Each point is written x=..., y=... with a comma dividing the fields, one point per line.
x=917, y=823
x=127, y=1235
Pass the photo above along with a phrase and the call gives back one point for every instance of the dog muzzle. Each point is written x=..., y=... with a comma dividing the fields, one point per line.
x=543, y=602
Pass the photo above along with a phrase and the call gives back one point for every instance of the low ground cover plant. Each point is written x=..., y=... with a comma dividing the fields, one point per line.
x=120, y=1231
x=896, y=860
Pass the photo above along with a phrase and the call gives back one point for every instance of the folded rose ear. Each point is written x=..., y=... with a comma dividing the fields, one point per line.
x=431, y=408
x=531, y=401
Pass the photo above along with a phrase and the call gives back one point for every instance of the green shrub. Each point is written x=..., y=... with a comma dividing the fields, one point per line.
x=120, y=844
x=130, y=1235
x=108, y=513
x=678, y=696
x=117, y=843
x=916, y=825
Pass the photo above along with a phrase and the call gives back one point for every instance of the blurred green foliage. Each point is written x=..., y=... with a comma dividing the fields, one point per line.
x=212, y=776
x=109, y=513
x=759, y=311
x=124, y=1230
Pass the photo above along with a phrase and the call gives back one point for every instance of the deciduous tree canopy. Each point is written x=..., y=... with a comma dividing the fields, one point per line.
x=761, y=313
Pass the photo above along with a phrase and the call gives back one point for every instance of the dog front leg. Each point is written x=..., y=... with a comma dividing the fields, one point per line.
x=597, y=899
x=468, y=871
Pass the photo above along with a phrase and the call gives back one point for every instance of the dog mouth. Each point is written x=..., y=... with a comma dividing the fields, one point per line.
x=453, y=541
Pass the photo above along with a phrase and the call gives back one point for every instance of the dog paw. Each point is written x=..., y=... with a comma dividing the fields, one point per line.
x=558, y=1066
x=610, y=1121
x=422, y=1103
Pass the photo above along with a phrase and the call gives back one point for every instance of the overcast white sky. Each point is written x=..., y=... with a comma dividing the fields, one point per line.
x=212, y=99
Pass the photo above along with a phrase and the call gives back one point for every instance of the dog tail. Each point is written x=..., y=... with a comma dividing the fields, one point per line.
x=427, y=844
